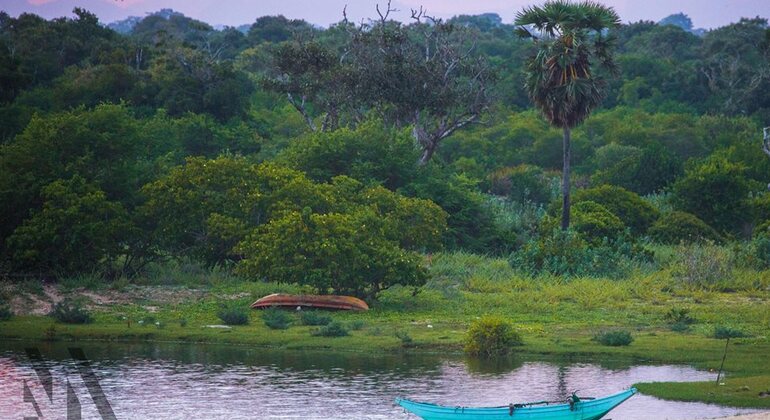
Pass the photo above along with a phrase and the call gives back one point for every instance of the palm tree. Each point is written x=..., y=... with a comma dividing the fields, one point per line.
x=566, y=77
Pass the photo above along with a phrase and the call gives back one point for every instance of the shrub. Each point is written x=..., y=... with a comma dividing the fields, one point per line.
x=71, y=311
x=343, y=253
x=521, y=183
x=406, y=339
x=614, y=338
x=565, y=253
x=276, y=319
x=334, y=329
x=635, y=213
x=679, y=319
x=233, y=315
x=678, y=226
x=314, y=318
x=470, y=224
x=755, y=253
x=679, y=316
x=5, y=311
x=369, y=153
x=723, y=332
x=357, y=325
x=594, y=222
x=645, y=172
x=717, y=192
x=702, y=266
x=491, y=336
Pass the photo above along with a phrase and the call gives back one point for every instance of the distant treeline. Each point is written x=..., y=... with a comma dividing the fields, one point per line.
x=289, y=152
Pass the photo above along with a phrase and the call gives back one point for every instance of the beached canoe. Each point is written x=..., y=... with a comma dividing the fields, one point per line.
x=575, y=409
x=311, y=301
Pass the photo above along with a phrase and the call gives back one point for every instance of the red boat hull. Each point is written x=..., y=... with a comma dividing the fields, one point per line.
x=311, y=301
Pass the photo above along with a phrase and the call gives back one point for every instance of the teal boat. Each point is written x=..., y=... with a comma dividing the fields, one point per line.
x=575, y=408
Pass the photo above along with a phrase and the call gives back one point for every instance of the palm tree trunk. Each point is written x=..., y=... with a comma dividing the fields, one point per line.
x=565, y=181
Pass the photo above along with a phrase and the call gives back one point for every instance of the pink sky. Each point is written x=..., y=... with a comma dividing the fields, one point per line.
x=704, y=13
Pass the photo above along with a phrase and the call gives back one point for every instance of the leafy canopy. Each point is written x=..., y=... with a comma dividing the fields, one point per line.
x=565, y=77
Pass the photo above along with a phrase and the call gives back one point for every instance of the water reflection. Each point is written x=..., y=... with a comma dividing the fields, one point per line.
x=172, y=381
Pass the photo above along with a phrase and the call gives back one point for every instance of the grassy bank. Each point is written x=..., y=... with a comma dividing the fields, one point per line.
x=554, y=315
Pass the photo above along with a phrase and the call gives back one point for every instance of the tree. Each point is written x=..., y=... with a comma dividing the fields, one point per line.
x=565, y=77
x=77, y=230
x=427, y=75
x=717, y=192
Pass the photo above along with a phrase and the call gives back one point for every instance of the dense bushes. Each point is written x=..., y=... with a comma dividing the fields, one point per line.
x=565, y=253
x=635, y=213
x=614, y=338
x=314, y=318
x=491, y=336
x=678, y=226
x=645, y=172
x=333, y=329
x=233, y=315
x=595, y=223
x=276, y=318
x=705, y=266
x=370, y=154
x=717, y=192
x=340, y=236
x=78, y=230
x=335, y=252
x=521, y=183
x=70, y=311
x=5, y=311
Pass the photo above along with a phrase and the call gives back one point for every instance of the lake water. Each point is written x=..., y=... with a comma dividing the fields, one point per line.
x=186, y=381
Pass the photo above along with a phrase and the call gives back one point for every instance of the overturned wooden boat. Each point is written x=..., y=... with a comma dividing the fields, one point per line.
x=576, y=408
x=311, y=301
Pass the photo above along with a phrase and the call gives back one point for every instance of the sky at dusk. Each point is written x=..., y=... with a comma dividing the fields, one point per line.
x=704, y=13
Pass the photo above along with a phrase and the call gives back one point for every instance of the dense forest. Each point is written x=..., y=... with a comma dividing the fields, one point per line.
x=343, y=157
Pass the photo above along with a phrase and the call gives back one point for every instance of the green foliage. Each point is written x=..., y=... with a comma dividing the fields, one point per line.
x=521, y=183
x=233, y=315
x=566, y=77
x=679, y=319
x=333, y=329
x=677, y=226
x=208, y=208
x=334, y=252
x=723, y=332
x=69, y=311
x=565, y=253
x=405, y=338
x=614, y=338
x=5, y=311
x=78, y=230
x=704, y=266
x=595, y=223
x=314, y=318
x=679, y=316
x=634, y=212
x=369, y=154
x=717, y=192
x=276, y=318
x=491, y=336
x=646, y=172
x=104, y=146
x=755, y=253
x=470, y=223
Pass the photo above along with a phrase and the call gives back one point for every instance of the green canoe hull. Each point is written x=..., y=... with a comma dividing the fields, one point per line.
x=584, y=410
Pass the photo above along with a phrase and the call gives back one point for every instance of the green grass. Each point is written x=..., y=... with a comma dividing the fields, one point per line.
x=554, y=316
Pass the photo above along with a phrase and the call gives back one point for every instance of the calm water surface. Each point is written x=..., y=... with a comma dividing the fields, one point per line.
x=186, y=381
